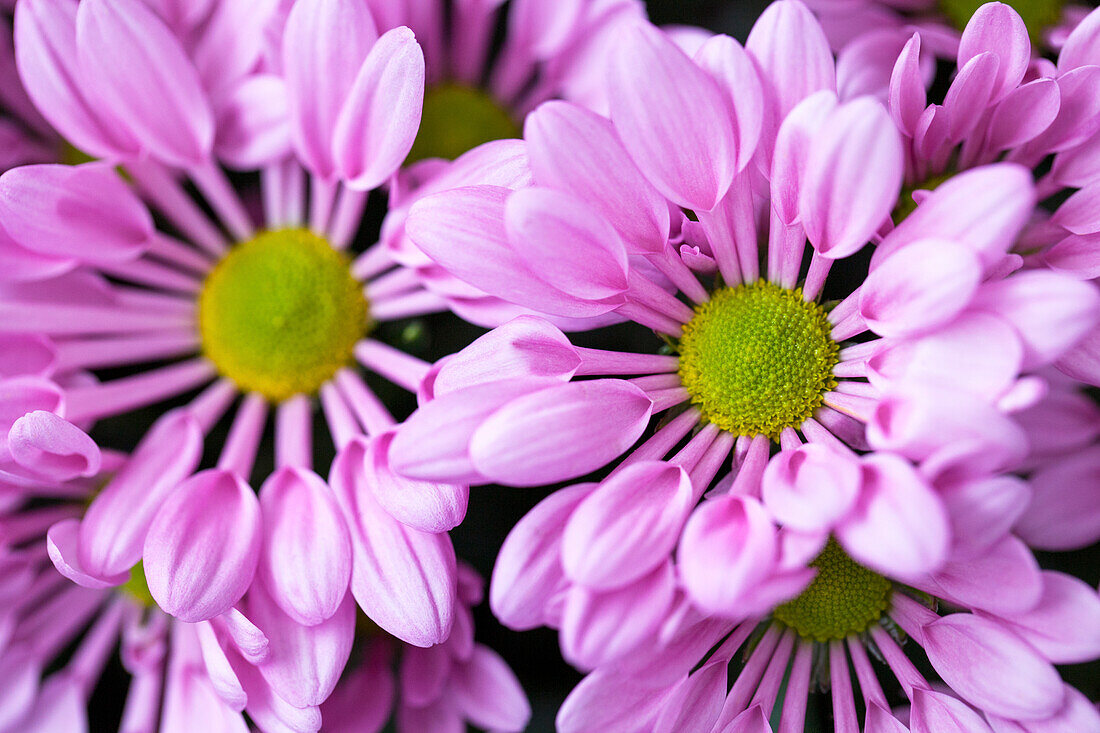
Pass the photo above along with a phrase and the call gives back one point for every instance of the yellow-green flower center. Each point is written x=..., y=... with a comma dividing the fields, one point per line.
x=844, y=599
x=281, y=313
x=757, y=358
x=458, y=118
x=1038, y=15
x=906, y=204
x=137, y=587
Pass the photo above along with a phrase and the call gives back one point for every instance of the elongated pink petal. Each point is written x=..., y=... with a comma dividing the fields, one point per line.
x=598, y=627
x=794, y=57
x=559, y=433
x=728, y=547
x=253, y=125
x=627, y=526
x=997, y=28
x=425, y=505
x=1082, y=48
x=267, y=709
x=853, y=178
x=810, y=488
x=733, y=68
x=1024, y=113
x=651, y=86
x=52, y=447
x=578, y=151
x=609, y=701
x=1080, y=213
x=696, y=702
x=203, y=546
x=983, y=511
x=324, y=46
x=552, y=231
x=752, y=720
x=306, y=560
x=1004, y=579
x=61, y=544
x=899, y=525
x=402, y=578
x=377, y=124
x=84, y=212
x=222, y=677
x=1078, y=111
x=792, y=148
x=488, y=693
x=992, y=668
x=528, y=571
x=907, y=98
x=136, y=66
x=933, y=712
x=27, y=355
x=1064, y=513
x=922, y=286
x=113, y=531
x=1065, y=624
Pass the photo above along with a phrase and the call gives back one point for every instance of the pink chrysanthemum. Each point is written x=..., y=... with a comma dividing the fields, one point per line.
x=273, y=315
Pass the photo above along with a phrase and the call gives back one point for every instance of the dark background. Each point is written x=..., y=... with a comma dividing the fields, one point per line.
x=494, y=510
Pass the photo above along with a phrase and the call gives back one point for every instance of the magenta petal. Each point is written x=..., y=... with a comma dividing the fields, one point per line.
x=425, y=505
x=992, y=668
x=898, y=526
x=1082, y=48
x=652, y=84
x=923, y=285
x=1079, y=214
x=853, y=178
x=560, y=432
x=222, y=677
x=138, y=69
x=402, y=578
x=52, y=447
x=377, y=124
x=627, y=526
x=1023, y=114
x=728, y=547
x=113, y=531
x=306, y=561
x=528, y=570
x=607, y=701
x=1078, y=112
x=937, y=712
x=1077, y=256
x=488, y=693
x=997, y=28
x=1004, y=579
x=810, y=488
x=578, y=151
x=29, y=355
x=696, y=702
x=61, y=543
x=552, y=231
x=324, y=46
x=304, y=662
x=203, y=546
x=1064, y=513
x=424, y=672
x=907, y=96
x=1065, y=625
x=983, y=511
x=84, y=212
x=752, y=720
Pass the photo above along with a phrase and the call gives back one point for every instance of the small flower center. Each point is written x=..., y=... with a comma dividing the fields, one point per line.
x=281, y=313
x=843, y=599
x=1038, y=15
x=137, y=588
x=458, y=118
x=757, y=358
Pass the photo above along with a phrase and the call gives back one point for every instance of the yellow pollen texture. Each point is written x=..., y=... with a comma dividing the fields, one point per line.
x=281, y=313
x=757, y=358
x=844, y=598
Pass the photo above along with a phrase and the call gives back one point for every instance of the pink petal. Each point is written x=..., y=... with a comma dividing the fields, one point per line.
x=1078, y=713
x=898, y=526
x=1065, y=625
x=998, y=29
x=424, y=672
x=85, y=212
x=203, y=546
x=1082, y=362
x=627, y=526
x=792, y=148
x=528, y=572
x=377, y=124
x=27, y=355
x=267, y=709
x=610, y=701
x=253, y=125
x=1078, y=113
x=924, y=285
x=793, y=55
x=222, y=677
x=52, y=447
x=735, y=71
x=810, y=488
x=991, y=668
x=936, y=712
x=1081, y=47
x=969, y=96
x=907, y=96
x=304, y=662
x=135, y=66
x=580, y=152
x=1080, y=213
x=1024, y=113
x=61, y=544
x=553, y=231
x=324, y=45
x=651, y=86
x=1004, y=579
x=21, y=395
x=853, y=178
x=696, y=702
x=1050, y=311
x=560, y=432
x=488, y=693
x=402, y=578
x=984, y=208
x=113, y=531
x=306, y=560
x=599, y=627
x=1076, y=256
x=752, y=720
x=727, y=548
x=1064, y=513
x=983, y=511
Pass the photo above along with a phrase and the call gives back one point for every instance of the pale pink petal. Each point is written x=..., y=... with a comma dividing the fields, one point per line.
x=425, y=505
x=898, y=526
x=983, y=511
x=52, y=447
x=794, y=57
x=306, y=560
x=610, y=701
x=203, y=545
x=560, y=433
x=792, y=148
x=1082, y=362
x=936, y=712
x=1064, y=513
x=136, y=67
x=377, y=124
x=1078, y=112
x=1078, y=713
x=27, y=355
x=1079, y=214
x=810, y=488
x=1065, y=625
x=991, y=668
x=696, y=702
x=1024, y=113
x=997, y=28
x=690, y=158
x=728, y=62
x=907, y=98
x=627, y=526
x=728, y=547
x=1077, y=256
x=923, y=285
x=61, y=544
x=968, y=97
x=853, y=178
x=1004, y=579
x=253, y=127
x=488, y=693
x=1082, y=47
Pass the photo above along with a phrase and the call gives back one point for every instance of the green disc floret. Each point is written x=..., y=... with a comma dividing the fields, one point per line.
x=137, y=588
x=757, y=358
x=844, y=598
x=458, y=118
x=281, y=313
